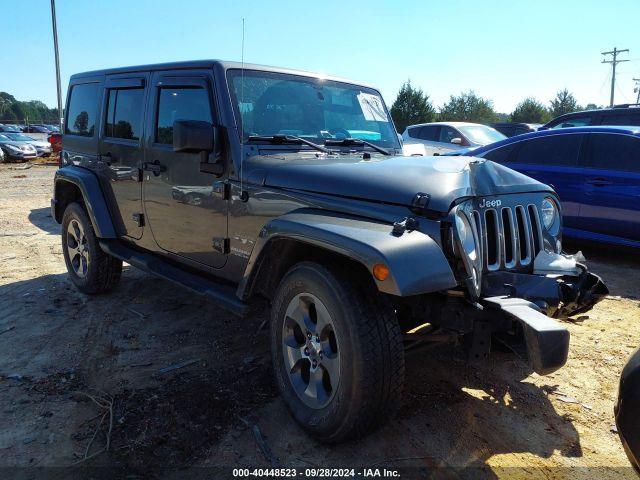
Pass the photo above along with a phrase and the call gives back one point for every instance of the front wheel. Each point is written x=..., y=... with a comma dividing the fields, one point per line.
x=91, y=270
x=337, y=352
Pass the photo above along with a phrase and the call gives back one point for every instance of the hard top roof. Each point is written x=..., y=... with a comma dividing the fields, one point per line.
x=200, y=64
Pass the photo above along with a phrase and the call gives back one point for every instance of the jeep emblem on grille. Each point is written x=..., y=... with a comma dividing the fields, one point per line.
x=484, y=203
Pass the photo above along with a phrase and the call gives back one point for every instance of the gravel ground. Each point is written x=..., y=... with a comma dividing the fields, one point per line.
x=72, y=366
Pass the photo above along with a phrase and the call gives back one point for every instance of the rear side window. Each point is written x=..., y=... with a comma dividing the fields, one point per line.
x=429, y=133
x=500, y=155
x=83, y=107
x=124, y=113
x=559, y=150
x=413, y=132
x=615, y=152
x=622, y=119
x=181, y=103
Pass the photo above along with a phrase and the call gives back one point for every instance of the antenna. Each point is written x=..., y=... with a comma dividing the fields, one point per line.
x=244, y=196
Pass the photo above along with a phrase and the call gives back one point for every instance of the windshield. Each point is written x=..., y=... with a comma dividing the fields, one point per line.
x=481, y=134
x=19, y=137
x=315, y=109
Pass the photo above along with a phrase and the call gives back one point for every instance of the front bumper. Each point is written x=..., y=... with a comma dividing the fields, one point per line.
x=22, y=155
x=531, y=300
x=557, y=296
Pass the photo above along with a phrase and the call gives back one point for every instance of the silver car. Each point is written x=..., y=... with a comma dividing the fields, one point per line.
x=16, y=149
x=441, y=137
x=43, y=147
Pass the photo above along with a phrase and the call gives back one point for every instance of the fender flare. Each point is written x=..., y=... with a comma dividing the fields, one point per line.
x=89, y=186
x=416, y=262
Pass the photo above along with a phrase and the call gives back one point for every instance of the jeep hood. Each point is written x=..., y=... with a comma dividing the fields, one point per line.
x=394, y=180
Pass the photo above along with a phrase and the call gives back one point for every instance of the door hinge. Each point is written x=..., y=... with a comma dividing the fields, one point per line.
x=138, y=218
x=222, y=245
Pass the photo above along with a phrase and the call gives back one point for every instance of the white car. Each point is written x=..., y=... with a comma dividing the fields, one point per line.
x=442, y=137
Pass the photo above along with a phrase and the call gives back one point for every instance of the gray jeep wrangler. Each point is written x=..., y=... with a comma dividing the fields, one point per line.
x=241, y=180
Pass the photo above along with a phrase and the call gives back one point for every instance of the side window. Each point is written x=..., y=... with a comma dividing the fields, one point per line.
x=83, y=105
x=429, y=133
x=413, y=132
x=181, y=103
x=615, y=152
x=500, y=155
x=448, y=133
x=559, y=150
x=124, y=113
x=574, y=122
x=622, y=119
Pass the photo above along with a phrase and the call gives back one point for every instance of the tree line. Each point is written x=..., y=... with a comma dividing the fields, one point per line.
x=33, y=111
x=412, y=106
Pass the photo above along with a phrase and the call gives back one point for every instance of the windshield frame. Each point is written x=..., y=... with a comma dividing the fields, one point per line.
x=235, y=102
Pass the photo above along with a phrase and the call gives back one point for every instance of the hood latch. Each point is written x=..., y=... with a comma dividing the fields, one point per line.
x=420, y=203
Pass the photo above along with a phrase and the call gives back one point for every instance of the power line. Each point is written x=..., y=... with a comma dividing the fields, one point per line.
x=614, y=61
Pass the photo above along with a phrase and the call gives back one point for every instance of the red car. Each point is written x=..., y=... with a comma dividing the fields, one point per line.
x=55, y=139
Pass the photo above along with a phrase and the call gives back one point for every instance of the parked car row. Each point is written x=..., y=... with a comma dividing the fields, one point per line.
x=21, y=147
x=31, y=128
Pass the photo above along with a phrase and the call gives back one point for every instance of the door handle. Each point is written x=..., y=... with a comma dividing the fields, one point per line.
x=599, y=182
x=154, y=167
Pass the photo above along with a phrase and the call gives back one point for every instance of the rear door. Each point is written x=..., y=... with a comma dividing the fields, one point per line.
x=612, y=186
x=121, y=153
x=429, y=137
x=554, y=160
x=184, y=206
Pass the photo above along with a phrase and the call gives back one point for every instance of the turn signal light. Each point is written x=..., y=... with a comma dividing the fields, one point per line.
x=380, y=271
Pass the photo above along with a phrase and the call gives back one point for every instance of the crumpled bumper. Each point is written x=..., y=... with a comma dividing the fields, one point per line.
x=557, y=296
x=535, y=300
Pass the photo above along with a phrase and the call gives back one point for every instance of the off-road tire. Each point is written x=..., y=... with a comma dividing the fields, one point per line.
x=370, y=348
x=103, y=271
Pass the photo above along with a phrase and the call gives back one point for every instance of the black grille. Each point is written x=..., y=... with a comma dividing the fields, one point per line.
x=511, y=236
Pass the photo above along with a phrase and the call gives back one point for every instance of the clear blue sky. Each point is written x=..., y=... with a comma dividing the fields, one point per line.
x=504, y=50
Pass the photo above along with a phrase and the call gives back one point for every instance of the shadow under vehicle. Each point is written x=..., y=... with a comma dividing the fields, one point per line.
x=354, y=244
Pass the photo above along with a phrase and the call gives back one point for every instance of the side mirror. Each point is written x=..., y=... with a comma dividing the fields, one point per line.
x=456, y=141
x=196, y=136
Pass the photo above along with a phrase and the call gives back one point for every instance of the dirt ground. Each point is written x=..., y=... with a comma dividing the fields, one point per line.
x=181, y=385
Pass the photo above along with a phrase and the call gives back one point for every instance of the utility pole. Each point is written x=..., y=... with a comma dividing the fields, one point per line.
x=57, y=55
x=637, y=89
x=614, y=61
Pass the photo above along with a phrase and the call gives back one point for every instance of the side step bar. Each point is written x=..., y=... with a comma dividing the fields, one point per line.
x=547, y=341
x=223, y=294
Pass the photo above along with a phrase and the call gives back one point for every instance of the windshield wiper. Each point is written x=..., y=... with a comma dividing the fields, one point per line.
x=282, y=139
x=356, y=141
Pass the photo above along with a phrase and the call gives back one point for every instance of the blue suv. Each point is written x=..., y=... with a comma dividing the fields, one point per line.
x=595, y=170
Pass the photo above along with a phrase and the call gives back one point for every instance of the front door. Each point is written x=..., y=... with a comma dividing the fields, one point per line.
x=121, y=151
x=183, y=206
x=612, y=186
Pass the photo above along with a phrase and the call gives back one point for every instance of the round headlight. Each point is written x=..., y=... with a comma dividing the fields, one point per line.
x=549, y=213
x=465, y=233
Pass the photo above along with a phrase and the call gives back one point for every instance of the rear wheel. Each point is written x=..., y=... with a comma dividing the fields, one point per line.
x=90, y=269
x=337, y=352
